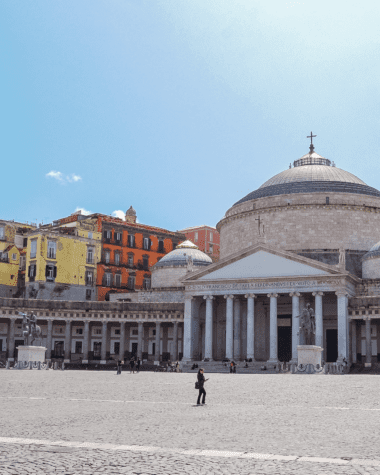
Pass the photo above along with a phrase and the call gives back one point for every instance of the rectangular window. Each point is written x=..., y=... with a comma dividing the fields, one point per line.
x=32, y=272
x=89, y=277
x=79, y=331
x=118, y=237
x=90, y=235
x=118, y=280
x=108, y=279
x=107, y=235
x=135, y=332
x=50, y=273
x=90, y=255
x=131, y=240
x=2, y=233
x=117, y=259
x=211, y=248
x=146, y=244
x=98, y=331
x=14, y=257
x=117, y=331
x=131, y=283
x=146, y=263
x=211, y=236
x=52, y=246
x=161, y=246
x=97, y=348
x=116, y=348
x=88, y=294
x=130, y=260
x=22, y=262
x=25, y=242
x=196, y=236
x=33, y=248
x=146, y=283
x=78, y=347
x=107, y=257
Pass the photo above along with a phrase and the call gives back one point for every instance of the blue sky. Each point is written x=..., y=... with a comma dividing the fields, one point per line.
x=179, y=107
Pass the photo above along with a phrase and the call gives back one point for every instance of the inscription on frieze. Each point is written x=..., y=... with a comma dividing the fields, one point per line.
x=255, y=285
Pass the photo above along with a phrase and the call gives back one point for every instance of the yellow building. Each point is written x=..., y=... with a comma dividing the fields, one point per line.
x=61, y=262
x=13, y=241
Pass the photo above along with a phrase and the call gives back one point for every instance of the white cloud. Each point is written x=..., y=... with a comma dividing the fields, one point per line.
x=118, y=214
x=83, y=210
x=63, y=179
x=57, y=175
x=73, y=177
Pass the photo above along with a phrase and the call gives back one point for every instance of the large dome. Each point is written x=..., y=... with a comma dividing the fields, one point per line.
x=312, y=173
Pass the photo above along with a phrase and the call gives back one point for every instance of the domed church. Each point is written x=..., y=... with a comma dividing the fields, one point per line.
x=307, y=235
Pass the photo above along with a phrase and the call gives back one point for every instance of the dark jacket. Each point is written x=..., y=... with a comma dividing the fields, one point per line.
x=201, y=379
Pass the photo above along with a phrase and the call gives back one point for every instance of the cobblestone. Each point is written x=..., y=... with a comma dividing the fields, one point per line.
x=147, y=424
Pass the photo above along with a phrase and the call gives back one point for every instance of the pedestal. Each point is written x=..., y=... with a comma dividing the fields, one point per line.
x=31, y=353
x=309, y=354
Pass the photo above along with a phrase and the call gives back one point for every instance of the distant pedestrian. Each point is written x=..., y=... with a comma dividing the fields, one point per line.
x=232, y=367
x=138, y=362
x=201, y=381
x=235, y=365
x=177, y=367
x=132, y=364
x=118, y=367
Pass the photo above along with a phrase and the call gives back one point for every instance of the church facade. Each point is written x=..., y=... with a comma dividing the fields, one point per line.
x=307, y=235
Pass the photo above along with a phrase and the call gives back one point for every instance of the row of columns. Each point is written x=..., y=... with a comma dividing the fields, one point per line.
x=86, y=340
x=233, y=337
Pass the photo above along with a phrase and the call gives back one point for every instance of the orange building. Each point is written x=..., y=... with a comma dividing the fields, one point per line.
x=206, y=238
x=128, y=251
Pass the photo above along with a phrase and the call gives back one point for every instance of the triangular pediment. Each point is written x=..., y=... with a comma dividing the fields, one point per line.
x=262, y=262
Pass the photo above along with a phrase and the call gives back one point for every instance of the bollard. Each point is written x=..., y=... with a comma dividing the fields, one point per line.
x=63, y=366
x=7, y=366
x=30, y=364
x=39, y=365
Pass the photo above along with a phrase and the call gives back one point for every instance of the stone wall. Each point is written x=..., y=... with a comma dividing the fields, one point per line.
x=371, y=268
x=303, y=227
x=168, y=276
x=56, y=291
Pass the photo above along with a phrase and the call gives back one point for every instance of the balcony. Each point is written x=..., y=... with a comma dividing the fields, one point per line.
x=90, y=260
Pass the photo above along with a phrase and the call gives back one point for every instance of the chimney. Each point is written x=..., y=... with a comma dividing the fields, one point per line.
x=130, y=215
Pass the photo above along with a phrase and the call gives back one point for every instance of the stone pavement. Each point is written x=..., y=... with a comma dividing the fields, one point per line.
x=78, y=422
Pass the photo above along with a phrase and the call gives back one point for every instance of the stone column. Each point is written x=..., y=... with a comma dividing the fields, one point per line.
x=368, y=343
x=353, y=341
x=67, y=341
x=209, y=321
x=188, y=342
x=318, y=319
x=49, y=339
x=342, y=325
x=122, y=341
x=158, y=342
x=86, y=341
x=11, y=342
x=273, y=357
x=295, y=325
x=140, y=339
x=250, y=326
x=229, y=326
x=104, y=344
x=175, y=342
x=165, y=332
x=237, y=329
x=146, y=340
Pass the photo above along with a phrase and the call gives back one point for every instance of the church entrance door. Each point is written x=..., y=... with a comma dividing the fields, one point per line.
x=284, y=337
x=331, y=345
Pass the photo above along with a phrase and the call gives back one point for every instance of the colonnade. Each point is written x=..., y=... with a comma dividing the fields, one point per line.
x=233, y=327
x=142, y=338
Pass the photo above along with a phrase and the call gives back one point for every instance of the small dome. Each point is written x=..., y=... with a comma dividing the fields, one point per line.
x=373, y=252
x=180, y=256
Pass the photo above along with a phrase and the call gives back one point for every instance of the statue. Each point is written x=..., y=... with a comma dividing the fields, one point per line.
x=342, y=257
x=190, y=264
x=30, y=330
x=307, y=326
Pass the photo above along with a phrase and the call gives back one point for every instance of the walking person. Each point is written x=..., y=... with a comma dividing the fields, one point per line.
x=177, y=367
x=201, y=381
x=132, y=364
x=232, y=367
x=138, y=362
x=118, y=367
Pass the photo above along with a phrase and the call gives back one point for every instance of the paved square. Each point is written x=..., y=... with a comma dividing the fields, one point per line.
x=86, y=422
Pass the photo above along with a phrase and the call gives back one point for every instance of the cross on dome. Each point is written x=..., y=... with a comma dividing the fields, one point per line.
x=311, y=139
